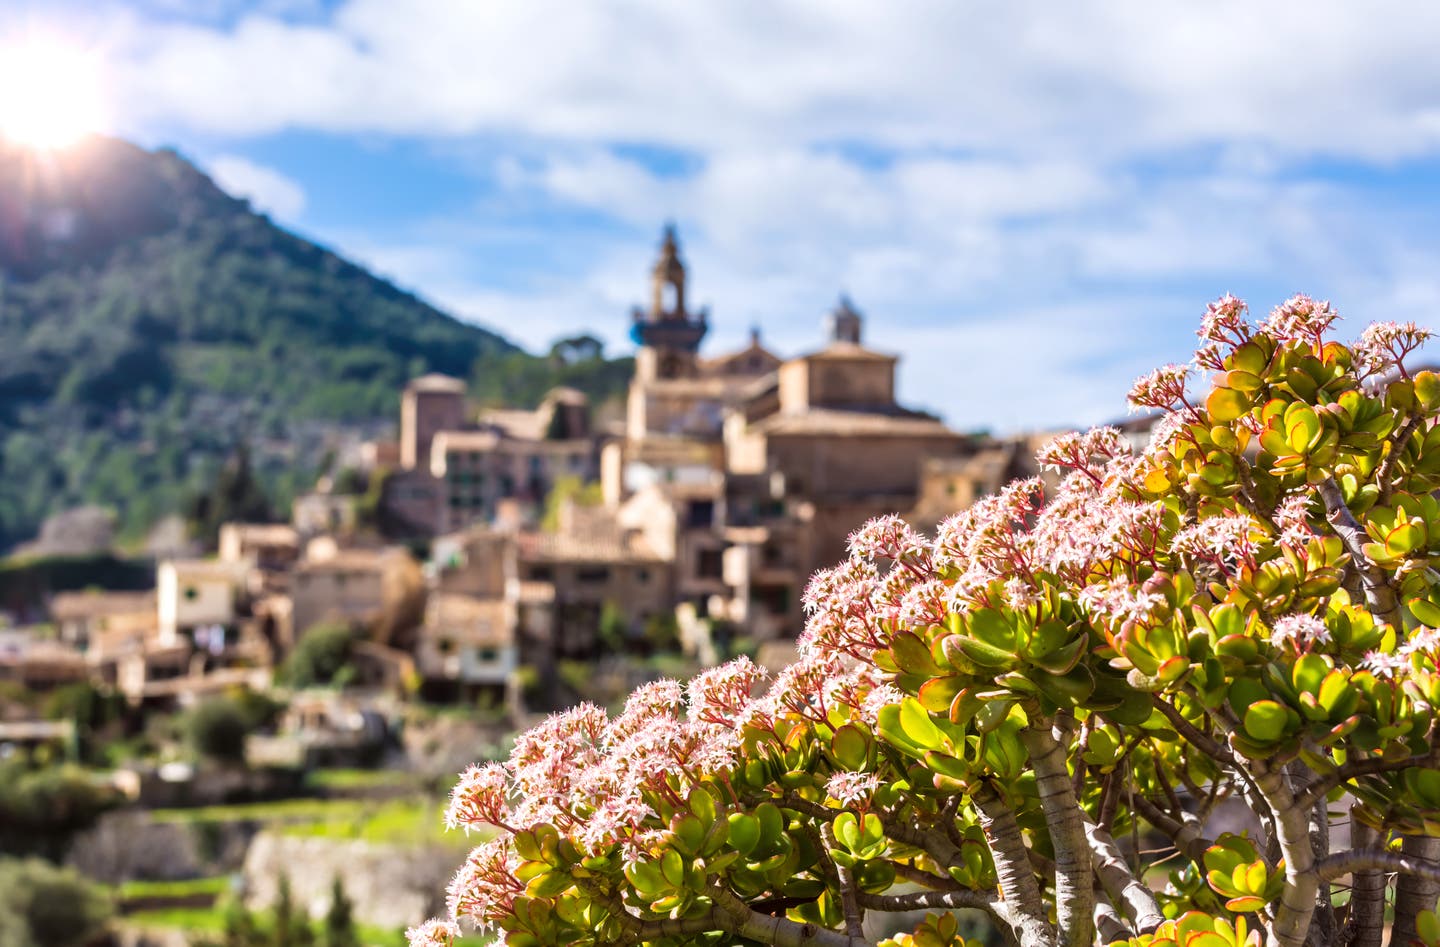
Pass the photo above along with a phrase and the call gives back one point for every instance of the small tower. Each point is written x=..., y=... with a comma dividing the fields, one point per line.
x=668, y=334
x=667, y=281
x=844, y=323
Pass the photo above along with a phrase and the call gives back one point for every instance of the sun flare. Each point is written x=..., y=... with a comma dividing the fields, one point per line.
x=49, y=94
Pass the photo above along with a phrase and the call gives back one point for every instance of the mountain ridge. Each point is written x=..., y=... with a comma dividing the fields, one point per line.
x=150, y=323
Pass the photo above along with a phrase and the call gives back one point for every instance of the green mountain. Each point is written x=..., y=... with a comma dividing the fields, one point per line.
x=151, y=323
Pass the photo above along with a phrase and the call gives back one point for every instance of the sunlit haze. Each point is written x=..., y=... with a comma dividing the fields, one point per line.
x=49, y=93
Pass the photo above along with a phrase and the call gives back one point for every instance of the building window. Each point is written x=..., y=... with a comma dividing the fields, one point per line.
x=701, y=514
x=592, y=575
x=191, y=593
x=710, y=564
x=487, y=655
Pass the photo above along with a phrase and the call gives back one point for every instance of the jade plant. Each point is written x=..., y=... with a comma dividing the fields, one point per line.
x=1038, y=712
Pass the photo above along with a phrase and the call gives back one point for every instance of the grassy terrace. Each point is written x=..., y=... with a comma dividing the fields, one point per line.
x=411, y=820
x=212, y=921
x=189, y=887
x=361, y=780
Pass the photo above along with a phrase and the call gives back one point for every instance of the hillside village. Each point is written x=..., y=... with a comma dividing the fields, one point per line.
x=695, y=525
x=731, y=479
x=435, y=591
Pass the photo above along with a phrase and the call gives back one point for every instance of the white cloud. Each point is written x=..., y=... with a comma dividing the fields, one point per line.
x=267, y=189
x=1012, y=192
x=1034, y=78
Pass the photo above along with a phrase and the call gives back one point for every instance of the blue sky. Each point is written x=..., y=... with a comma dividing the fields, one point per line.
x=1031, y=202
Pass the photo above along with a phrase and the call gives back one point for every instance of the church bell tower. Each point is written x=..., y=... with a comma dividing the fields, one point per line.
x=668, y=334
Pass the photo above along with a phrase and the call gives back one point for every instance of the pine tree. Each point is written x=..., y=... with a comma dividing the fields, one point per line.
x=339, y=929
x=291, y=926
x=235, y=496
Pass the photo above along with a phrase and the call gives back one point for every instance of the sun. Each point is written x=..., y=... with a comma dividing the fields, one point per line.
x=49, y=94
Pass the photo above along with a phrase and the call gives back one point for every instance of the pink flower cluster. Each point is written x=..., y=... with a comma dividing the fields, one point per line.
x=1223, y=541
x=852, y=789
x=1300, y=632
x=485, y=888
x=1222, y=329
x=437, y=933
x=1385, y=344
x=1161, y=389
x=599, y=781
x=1293, y=518
x=1087, y=451
x=1300, y=318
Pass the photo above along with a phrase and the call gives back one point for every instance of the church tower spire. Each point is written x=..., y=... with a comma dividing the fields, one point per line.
x=667, y=280
x=668, y=334
x=845, y=322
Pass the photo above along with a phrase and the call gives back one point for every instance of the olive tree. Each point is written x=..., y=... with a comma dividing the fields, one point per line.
x=1244, y=613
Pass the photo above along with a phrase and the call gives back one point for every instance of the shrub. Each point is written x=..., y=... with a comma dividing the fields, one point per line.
x=339, y=928
x=44, y=906
x=321, y=655
x=42, y=808
x=1246, y=610
x=217, y=729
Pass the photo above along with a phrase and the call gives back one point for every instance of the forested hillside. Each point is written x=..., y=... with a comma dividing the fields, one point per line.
x=150, y=323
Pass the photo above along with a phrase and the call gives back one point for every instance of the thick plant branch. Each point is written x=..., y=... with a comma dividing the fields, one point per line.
x=1186, y=835
x=1001, y=911
x=1125, y=890
x=928, y=879
x=1397, y=441
x=1414, y=892
x=1292, y=831
x=1074, y=881
x=945, y=900
x=1030, y=920
x=1245, y=475
x=1377, y=859
x=1379, y=596
x=1323, y=926
x=934, y=844
x=1193, y=735
x=1366, y=924
x=1108, y=923
x=845, y=878
x=1317, y=790
x=736, y=917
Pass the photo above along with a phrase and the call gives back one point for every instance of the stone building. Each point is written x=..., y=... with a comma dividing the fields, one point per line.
x=458, y=468
x=514, y=456
x=675, y=393
x=198, y=597
x=755, y=468
x=737, y=476
x=429, y=405
x=96, y=619
x=361, y=587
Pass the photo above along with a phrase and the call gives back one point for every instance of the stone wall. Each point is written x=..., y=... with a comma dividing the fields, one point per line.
x=130, y=845
x=390, y=886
